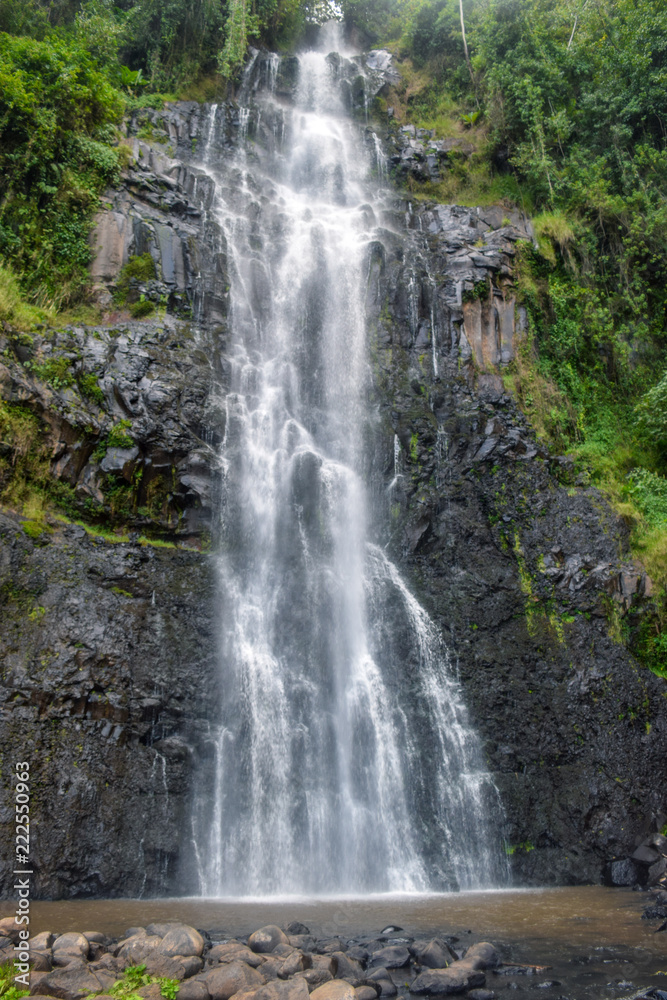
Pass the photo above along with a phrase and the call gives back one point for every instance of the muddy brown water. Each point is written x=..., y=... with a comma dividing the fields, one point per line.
x=592, y=938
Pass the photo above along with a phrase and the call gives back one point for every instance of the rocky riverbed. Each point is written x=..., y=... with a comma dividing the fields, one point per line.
x=168, y=959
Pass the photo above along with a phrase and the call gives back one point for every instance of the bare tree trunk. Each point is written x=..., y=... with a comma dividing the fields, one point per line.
x=574, y=28
x=467, y=54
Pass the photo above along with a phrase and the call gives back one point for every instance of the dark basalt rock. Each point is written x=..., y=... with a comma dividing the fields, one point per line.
x=96, y=694
x=160, y=386
x=524, y=567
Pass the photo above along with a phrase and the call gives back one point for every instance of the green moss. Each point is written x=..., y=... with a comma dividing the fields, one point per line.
x=118, y=436
x=142, y=308
x=524, y=848
x=480, y=291
x=90, y=388
x=33, y=529
x=57, y=371
x=137, y=270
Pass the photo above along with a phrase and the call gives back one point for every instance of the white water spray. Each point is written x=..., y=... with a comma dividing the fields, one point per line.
x=344, y=759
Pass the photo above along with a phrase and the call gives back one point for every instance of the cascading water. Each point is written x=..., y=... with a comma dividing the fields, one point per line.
x=344, y=760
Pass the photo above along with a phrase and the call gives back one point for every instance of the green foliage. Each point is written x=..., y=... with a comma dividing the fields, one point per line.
x=14, y=308
x=652, y=413
x=136, y=977
x=471, y=119
x=55, y=103
x=137, y=269
x=90, y=388
x=118, y=436
x=33, y=529
x=649, y=493
x=144, y=307
x=57, y=371
x=8, y=988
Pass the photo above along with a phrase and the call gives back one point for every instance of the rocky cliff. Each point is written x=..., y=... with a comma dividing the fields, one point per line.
x=109, y=668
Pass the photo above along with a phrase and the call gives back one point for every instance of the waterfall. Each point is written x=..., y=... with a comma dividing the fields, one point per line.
x=344, y=759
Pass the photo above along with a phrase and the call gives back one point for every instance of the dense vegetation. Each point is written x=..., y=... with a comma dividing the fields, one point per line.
x=565, y=103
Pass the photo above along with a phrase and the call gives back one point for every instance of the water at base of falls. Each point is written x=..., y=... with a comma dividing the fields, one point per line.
x=344, y=759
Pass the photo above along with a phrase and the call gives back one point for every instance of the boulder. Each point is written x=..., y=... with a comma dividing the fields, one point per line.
x=347, y=968
x=483, y=955
x=330, y=945
x=271, y=968
x=292, y=989
x=137, y=949
x=304, y=942
x=181, y=940
x=36, y=977
x=297, y=928
x=9, y=928
x=433, y=954
x=324, y=962
x=366, y=992
x=75, y=982
x=316, y=977
x=159, y=930
x=96, y=937
x=624, y=872
x=108, y=962
x=42, y=941
x=645, y=855
x=193, y=989
x=335, y=990
x=266, y=939
x=179, y=967
x=223, y=981
x=296, y=962
x=69, y=947
x=282, y=950
x=41, y=961
x=444, y=982
x=482, y=995
x=233, y=951
x=393, y=957
x=384, y=982
x=656, y=871
x=150, y=992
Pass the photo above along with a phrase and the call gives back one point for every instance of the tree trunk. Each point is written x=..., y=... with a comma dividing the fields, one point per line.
x=467, y=54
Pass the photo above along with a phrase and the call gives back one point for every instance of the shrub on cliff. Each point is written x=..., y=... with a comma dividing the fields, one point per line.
x=57, y=111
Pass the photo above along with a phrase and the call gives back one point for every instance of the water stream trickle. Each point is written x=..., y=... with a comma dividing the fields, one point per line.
x=344, y=759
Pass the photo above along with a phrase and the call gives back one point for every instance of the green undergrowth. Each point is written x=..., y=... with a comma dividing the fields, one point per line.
x=8, y=988
x=579, y=409
x=138, y=269
x=27, y=486
x=564, y=117
x=135, y=977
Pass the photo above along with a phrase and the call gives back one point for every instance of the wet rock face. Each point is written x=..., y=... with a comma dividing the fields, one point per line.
x=109, y=650
x=132, y=431
x=525, y=570
x=109, y=673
